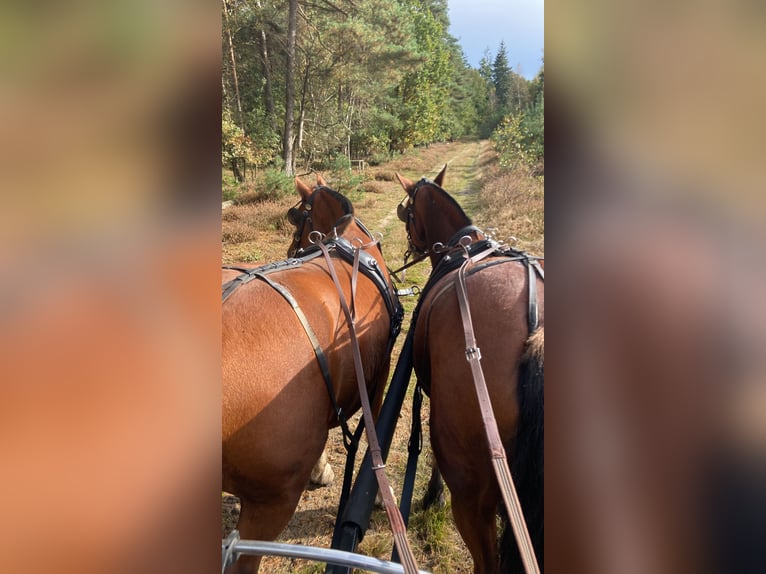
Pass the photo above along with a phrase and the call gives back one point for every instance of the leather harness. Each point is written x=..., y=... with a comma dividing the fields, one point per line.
x=369, y=267
x=498, y=256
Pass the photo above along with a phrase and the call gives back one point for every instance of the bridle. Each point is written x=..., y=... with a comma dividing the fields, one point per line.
x=405, y=213
x=300, y=216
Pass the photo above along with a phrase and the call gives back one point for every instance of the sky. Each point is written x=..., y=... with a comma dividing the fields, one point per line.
x=482, y=24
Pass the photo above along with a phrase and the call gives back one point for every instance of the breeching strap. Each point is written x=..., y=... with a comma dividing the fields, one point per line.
x=499, y=460
x=394, y=517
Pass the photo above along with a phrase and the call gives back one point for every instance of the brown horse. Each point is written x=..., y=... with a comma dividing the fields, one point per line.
x=512, y=361
x=276, y=407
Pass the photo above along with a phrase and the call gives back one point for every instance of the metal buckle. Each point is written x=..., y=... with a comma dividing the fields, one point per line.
x=472, y=353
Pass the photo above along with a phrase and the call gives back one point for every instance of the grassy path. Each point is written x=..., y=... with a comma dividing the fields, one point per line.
x=437, y=545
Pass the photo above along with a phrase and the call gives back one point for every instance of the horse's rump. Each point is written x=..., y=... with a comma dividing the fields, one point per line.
x=498, y=296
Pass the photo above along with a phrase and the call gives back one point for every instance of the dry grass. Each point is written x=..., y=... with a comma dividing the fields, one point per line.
x=237, y=232
x=256, y=232
x=372, y=187
x=513, y=203
x=436, y=543
x=384, y=175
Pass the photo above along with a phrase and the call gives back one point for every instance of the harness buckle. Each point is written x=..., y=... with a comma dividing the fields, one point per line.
x=472, y=353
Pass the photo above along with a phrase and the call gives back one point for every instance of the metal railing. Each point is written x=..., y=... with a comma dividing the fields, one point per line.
x=233, y=547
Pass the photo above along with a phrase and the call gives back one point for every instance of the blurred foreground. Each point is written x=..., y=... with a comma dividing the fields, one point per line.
x=109, y=337
x=656, y=395
x=109, y=251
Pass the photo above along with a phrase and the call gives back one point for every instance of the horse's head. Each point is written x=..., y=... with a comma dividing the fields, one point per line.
x=320, y=209
x=430, y=215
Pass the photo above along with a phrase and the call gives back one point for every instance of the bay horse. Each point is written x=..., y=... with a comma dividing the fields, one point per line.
x=276, y=408
x=512, y=361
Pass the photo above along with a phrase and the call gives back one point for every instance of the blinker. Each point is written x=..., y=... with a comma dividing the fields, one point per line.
x=401, y=213
x=294, y=216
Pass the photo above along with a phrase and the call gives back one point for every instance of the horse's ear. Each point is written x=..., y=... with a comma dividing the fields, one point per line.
x=320, y=180
x=440, y=178
x=303, y=190
x=405, y=183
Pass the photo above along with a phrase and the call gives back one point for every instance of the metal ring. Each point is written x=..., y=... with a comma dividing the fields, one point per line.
x=316, y=237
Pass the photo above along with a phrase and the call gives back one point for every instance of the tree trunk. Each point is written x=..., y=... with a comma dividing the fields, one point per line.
x=269, y=93
x=233, y=66
x=302, y=113
x=236, y=171
x=287, y=142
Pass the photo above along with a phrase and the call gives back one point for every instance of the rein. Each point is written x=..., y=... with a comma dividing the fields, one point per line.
x=394, y=516
x=415, y=261
x=499, y=459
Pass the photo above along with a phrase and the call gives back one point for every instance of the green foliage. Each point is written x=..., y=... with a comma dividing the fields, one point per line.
x=236, y=146
x=342, y=177
x=520, y=138
x=501, y=76
x=372, y=77
x=270, y=184
x=234, y=143
x=431, y=526
x=425, y=93
x=274, y=184
x=229, y=191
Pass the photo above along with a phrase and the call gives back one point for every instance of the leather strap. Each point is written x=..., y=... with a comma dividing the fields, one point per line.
x=348, y=437
x=497, y=452
x=415, y=261
x=414, y=448
x=394, y=517
x=533, y=317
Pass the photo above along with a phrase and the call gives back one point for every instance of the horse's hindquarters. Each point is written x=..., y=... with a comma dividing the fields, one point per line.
x=498, y=305
x=276, y=409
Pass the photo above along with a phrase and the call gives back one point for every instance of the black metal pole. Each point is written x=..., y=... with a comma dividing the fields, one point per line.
x=351, y=527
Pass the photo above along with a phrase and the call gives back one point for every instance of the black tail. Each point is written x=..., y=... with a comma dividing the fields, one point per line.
x=527, y=457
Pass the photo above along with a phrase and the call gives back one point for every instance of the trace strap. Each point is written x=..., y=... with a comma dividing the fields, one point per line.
x=499, y=460
x=394, y=517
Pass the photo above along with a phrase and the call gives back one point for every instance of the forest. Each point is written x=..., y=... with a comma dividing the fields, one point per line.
x=323, y=84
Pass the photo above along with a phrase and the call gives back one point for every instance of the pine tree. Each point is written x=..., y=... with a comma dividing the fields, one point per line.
x=501, y=77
